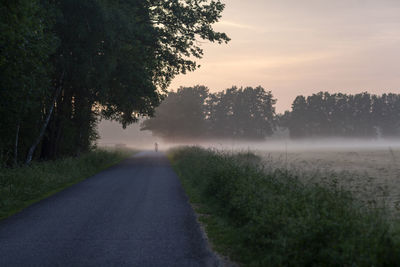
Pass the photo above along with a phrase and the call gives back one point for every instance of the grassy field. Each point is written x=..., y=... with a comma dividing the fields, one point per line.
x=373, y=175
x=263, y=214
x=21, y=187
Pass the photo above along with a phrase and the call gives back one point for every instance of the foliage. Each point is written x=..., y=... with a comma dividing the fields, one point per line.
x=179, y=25
x=19, y=187
x=343, y=115
x=182, y=114
x=26, y=44
x=66, y=64
x=242, y=112
x=193, y=112
x=267, y=217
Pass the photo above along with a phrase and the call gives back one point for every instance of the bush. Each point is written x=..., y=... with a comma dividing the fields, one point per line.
x=267, y=217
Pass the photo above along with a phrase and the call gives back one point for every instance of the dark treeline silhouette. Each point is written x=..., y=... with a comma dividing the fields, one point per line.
x=248, y=113
x=344, y=115
x=195, y=113
x=65, y=64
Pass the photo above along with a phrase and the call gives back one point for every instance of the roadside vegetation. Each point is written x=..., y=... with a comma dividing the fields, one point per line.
x=260, y=215
x=21, y=187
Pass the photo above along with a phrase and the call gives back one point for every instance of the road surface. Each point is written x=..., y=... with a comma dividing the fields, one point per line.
x=132, y=214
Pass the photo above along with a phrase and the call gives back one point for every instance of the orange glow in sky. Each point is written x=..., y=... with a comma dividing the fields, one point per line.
x=294, y=47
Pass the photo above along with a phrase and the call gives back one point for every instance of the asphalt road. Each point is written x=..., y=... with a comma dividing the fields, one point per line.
x=133, y=214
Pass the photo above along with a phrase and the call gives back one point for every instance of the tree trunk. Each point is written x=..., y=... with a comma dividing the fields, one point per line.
x=46, y=122
x=16, y=145
x=54, y=132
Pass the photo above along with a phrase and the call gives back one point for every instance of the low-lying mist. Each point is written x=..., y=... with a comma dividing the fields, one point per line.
x=112, y=135
x=320, y=144
x=370, y=168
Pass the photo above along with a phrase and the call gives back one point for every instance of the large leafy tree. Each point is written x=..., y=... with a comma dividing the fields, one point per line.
x=26, y=44
x=182, y=115
x=120, y=56
x=297, y=122
x=221, y=115
x=180, y=26
x=167, y=37
x=242, y=112
x=113, y=59
x=105, y=61
x=194, y=113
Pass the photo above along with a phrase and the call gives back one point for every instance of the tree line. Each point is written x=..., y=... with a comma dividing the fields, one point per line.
x=249, y=113
x=65, y=64
x=195, y=113
x=344, y=115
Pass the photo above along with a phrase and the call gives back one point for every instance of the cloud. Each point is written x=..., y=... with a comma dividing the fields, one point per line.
x=298, y=47
x=236, y=25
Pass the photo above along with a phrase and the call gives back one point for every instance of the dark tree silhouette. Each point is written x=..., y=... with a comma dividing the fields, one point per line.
x=194, y=113
x=182, y=115
x=342, y=115
x=65, y=64
x=242, y=113
x=297, y=122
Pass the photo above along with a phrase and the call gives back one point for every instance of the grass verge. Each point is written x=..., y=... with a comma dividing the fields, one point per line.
x=267, y=217
x=21, y=187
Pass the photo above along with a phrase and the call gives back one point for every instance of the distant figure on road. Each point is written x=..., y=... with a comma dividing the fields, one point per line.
x=156, y=146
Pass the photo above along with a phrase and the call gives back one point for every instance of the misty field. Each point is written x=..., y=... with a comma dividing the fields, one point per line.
x=370, y=169
x=373, y=175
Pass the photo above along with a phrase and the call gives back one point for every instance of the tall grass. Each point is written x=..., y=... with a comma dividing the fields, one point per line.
x=20, y=187
x=268, y=217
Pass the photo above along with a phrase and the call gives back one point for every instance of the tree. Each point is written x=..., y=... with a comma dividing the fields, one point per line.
x=182, y=115
x=179, y=25
x=243, y=113
x=194, y=113
x=386, y=114
x=298, y=126
x=112, y=59
x=26, y=44
x=120, y=57
x=363, y=125
x=221, y=114
x=360, y=115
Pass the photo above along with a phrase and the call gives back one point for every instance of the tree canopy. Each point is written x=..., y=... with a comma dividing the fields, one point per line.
x=195, y=113
x=65, y=64
x=344, y=115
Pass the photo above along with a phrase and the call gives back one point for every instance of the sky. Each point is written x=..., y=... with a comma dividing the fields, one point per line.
x=293, y=47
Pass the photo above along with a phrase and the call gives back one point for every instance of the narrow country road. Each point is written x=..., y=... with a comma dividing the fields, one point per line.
x=133, y=214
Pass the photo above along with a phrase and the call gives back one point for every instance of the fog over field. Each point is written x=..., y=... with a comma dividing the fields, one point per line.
x=111, y=134
x=368, y=167
x=350, y=141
